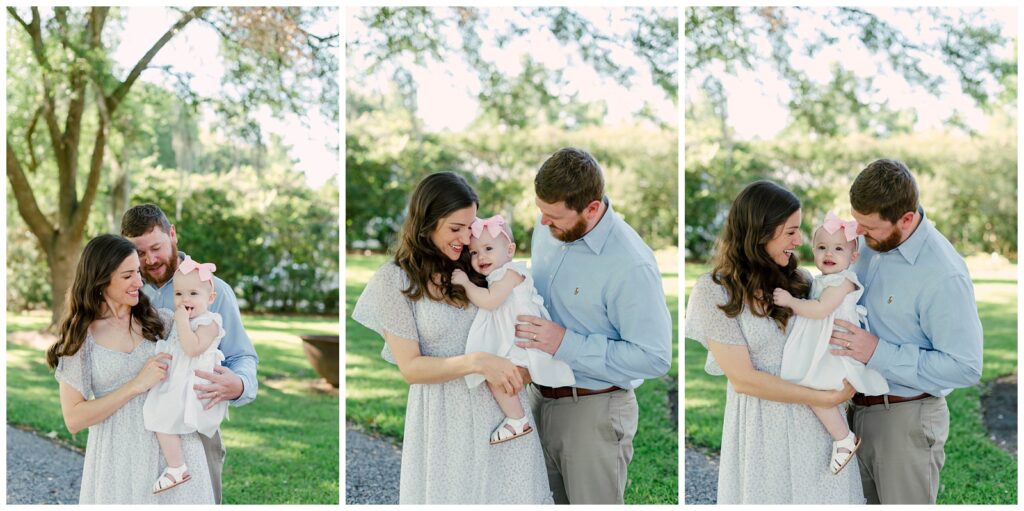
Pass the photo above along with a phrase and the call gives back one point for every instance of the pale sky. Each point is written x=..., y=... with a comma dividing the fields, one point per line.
x=196, y=50
x=447, y=91
x=757, y=110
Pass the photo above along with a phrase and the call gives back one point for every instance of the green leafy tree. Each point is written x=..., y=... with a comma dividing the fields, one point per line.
x=66, y=98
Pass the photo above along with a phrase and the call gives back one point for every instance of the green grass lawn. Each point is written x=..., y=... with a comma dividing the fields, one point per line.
x=376, y=394
x=282, y=448
x=976, y=471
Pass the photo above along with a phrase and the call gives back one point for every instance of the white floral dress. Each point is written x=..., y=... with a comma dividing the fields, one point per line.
x=122, y=459
x=446, y=455
x=772, y=452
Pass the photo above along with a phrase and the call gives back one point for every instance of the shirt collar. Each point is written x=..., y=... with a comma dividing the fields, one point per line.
x=598, y=236
x=911, y=247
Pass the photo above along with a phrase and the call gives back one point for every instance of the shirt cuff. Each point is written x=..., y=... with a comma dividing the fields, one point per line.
x=883, y=356
x=244, y=398
x=570, y=347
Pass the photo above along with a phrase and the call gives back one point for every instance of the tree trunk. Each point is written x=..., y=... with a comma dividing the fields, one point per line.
x=62, y=258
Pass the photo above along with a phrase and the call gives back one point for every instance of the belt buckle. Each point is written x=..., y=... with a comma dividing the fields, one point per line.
x=575, y=396
x=885, y=400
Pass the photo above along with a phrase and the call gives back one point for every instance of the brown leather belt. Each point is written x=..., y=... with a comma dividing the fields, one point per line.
x=862, y=400
x=560, y=392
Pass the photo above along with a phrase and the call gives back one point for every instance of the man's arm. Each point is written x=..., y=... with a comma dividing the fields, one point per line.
x=636, y=307
x=949, y=317
x=239, y=355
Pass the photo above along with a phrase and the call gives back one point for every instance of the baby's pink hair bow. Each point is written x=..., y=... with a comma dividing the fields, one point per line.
x=205, y=269
x=494, y=225
x=833, y=223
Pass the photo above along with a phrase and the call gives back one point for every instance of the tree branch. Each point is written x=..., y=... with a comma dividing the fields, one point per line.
x=34, y=29
x=80, y=215
x=29, y=134
x=27, y=205
x=14, y=14
x=122, y=89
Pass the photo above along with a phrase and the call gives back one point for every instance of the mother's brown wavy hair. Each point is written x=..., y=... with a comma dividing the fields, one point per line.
x=742, y=264
x=435, y=197
x=85, y=304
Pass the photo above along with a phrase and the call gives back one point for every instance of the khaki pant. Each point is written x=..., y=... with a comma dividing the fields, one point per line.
x=588, y=443
x=902, y=449
x=215, y=454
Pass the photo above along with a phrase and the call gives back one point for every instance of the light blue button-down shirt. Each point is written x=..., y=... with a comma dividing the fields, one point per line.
x=239, y=355
x=920, y=303
x=605, y=289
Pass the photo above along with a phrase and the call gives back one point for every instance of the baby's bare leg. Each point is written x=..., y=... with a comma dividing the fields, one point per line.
x=833, y=420
x=509, y=404
x=170, y=446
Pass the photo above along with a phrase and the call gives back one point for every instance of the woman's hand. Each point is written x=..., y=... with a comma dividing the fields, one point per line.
x=782, y=297
x=499, y=372
x=152, y=373
x=460, y=278
x=837, y=397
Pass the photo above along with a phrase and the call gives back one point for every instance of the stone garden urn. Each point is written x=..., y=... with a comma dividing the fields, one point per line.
x=323, y=355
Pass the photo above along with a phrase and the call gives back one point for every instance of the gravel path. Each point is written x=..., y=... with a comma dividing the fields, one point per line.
x=701, y=477
x=40, y=471
x=372, y=469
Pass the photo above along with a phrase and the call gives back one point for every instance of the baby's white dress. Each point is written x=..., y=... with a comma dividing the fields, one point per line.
x=494, y=331
x=172, y=406
x=806, y=359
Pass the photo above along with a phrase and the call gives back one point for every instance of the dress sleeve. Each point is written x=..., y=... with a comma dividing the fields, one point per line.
x=706, y=322
x=206, y=319
x=383, y=308
x=74, y=370
x=837, y=279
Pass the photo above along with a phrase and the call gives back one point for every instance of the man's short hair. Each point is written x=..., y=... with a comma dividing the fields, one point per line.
x=140, y=219
x=571, y=175
x=885, y=187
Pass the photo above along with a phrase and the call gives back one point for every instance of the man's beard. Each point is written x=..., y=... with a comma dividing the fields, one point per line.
x=172, y=266
x=887, y=244
x=571, y=234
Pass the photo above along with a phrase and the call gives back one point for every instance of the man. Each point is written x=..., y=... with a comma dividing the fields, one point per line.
x=235, y=381
x=925, y=337
x=609, y=322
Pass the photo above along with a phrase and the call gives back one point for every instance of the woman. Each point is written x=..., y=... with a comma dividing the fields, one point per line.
x=106, y=361
x=774, y=450
x=425, y=320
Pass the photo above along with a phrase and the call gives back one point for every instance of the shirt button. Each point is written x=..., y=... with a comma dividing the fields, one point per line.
x=564, y=247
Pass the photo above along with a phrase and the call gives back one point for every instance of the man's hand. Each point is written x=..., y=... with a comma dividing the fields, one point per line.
x=859, y=343
x=540, y=334
x=224, y=386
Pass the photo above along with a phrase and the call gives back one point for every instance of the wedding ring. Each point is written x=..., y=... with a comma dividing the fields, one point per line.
x=535, y=337
x=847, y=344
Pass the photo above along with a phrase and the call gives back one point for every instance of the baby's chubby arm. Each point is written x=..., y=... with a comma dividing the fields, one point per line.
x=492, y=297
x=830, y=300
x=194, y=343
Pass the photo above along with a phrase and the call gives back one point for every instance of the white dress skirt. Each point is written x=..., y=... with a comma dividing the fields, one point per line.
x=172, y=406
x=806, y=359
x=494, y=331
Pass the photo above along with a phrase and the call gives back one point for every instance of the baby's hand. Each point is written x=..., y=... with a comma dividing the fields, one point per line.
x=180, y=314
x=782, y=297
x=459, y=277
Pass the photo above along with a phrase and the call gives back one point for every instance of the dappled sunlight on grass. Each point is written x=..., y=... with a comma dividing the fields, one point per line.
x=29, y=320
